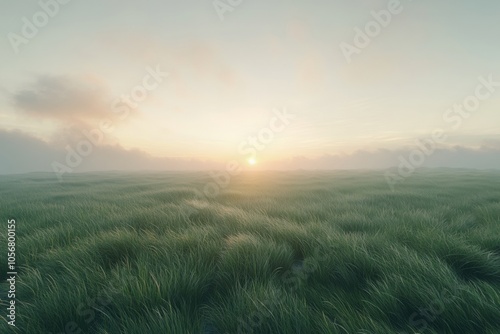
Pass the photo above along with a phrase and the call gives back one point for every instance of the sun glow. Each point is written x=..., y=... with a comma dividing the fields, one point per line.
x=252, y=161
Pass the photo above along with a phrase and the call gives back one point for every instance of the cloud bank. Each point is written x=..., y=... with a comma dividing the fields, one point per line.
x=22, y=153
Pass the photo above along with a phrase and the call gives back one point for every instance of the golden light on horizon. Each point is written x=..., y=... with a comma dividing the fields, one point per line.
x=252, y=161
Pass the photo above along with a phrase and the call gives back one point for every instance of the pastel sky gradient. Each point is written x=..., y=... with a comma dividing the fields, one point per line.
x=225, y=78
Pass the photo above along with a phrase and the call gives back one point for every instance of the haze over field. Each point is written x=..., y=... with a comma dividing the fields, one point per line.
x=188, y=84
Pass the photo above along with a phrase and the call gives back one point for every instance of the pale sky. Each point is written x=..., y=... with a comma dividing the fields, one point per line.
x=227, y=77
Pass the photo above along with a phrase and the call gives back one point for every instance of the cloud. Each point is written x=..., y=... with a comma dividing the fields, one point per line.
x=71, y=103
x=21, y=153
x=70, y=100
x=190, y=60
x=484, y=157
x=70, y=106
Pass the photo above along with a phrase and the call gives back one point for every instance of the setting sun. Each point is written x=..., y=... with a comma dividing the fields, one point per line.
x=252, y=161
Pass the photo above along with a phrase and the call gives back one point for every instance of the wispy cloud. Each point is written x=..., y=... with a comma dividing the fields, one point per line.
x=64, y=99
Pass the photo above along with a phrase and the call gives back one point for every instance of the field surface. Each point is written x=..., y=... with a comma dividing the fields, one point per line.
x=274, y=252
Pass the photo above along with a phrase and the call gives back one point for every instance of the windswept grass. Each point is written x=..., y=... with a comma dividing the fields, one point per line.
x=290, y=252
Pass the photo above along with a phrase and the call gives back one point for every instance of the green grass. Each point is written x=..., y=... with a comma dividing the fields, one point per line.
x=275, y=252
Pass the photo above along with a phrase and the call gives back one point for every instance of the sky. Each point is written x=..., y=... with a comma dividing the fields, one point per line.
x=175, y=85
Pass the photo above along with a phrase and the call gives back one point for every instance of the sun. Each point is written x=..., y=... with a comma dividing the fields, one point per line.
x=252, y=161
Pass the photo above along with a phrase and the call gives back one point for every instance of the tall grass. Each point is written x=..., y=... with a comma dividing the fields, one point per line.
x=288, y=252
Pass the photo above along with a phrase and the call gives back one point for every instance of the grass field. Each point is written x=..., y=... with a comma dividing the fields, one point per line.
x=275, y=252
